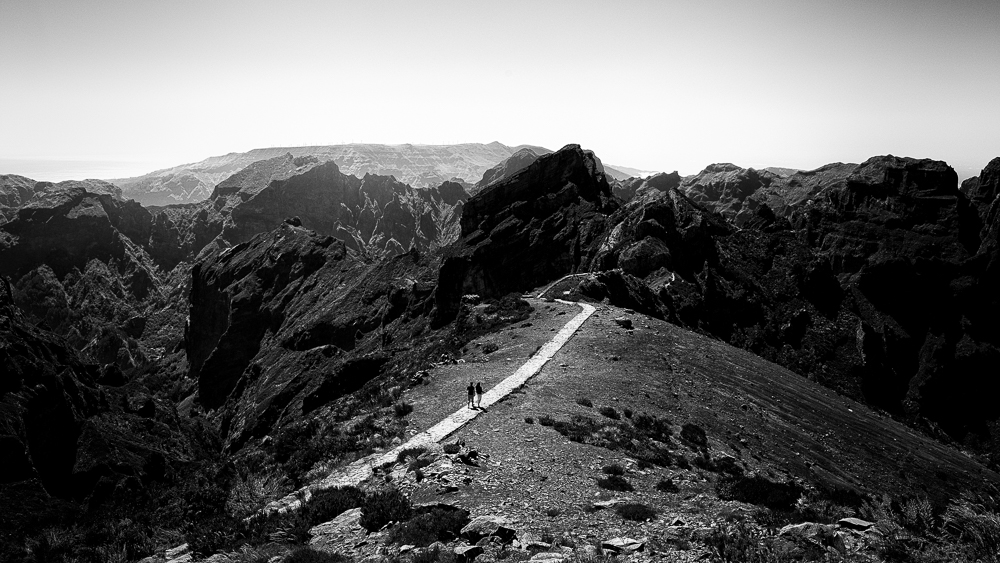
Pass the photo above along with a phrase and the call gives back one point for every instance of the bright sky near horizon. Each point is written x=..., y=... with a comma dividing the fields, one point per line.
x=655, y=85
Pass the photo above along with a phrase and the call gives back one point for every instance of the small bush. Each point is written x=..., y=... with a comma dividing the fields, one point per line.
x=682, y=462
x=758, y=490
x=694, y=435
x=425, y=529
x=419, y=463
x=410, y=452
x=553, y=512
x=615, y=483
x=452, y=448
x=613, y=469
x=490, y=347
x=627, y=412
x=644, y=464
x=529, y=420
x=402, y=408
x=741, y=543
x=667, y=486
x=585, y=402
x=635, y=512
x=610, y=412
x=546, y=420
x=310, y=555
x=382, y=507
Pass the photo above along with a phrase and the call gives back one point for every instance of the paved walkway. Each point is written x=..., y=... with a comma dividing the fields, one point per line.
x=364, y=468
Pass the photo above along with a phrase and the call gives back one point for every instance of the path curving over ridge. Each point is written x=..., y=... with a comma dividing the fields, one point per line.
x=362, y=469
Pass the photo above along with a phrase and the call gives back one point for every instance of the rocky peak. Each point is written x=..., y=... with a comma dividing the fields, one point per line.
x=508, y=167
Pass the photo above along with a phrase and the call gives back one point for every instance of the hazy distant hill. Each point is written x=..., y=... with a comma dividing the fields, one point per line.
x=420, y=166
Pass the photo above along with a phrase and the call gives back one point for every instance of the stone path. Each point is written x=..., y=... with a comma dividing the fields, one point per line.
x=364, y=468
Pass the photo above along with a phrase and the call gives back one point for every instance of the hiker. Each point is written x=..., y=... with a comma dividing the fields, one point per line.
x=479, y=395
x=472, y=394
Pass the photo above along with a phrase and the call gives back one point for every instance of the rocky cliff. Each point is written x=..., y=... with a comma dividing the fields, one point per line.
x=527, y=229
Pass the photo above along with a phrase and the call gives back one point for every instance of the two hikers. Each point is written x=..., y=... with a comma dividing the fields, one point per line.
x=475, y=395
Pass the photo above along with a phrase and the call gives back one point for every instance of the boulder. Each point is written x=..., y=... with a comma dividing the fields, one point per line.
x=467, y=553
x=623, y=545
x=488, y=526
x=820, y=535
x=328, y=536
x=855, y=524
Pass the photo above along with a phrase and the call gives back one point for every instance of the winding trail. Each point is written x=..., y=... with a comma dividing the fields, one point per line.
x=362, y=469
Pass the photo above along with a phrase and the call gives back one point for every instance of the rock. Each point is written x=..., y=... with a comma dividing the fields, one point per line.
x=548, y=556
x=821, y=535
x=622, y=545
x=624, y=323
x=488, y=526
x=607, y=503
x=468, y=552
x=855, y=524
x=180, y=554
x=329, y=535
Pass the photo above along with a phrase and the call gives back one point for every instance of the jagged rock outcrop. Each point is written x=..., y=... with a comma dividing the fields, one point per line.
x=663, y=182
x=527, y=229
x=511, y=165
x=872, y=281
x=265, y=310
x=420, y=166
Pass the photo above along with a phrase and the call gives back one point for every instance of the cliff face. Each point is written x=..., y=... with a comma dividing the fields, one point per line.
x=420, y=166
x=526, y=229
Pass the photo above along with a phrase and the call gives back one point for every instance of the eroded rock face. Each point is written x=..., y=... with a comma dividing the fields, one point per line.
x=376, y=215
x=60, y=425
x=527, y=229
x=291, y=320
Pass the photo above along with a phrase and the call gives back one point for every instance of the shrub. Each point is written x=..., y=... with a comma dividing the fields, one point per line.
x=410, y=452
x=644, y=463
x=490, y=347
x=382, y=507
x=667, y=486
x=635, y=512
x=741, y=543
x=615, y=483
x=682, y=462
x=613, y=469
x=310, y=555
x=402, y=408
x=424, y=529
x=758, y=490
x=610, y=412
x=327, y=504
x=652, y=427
x=975, y=520
x=553, y=512
x=529, y=420
x=419, y=463
x=452, y=448
x=546, y=420
x=627, y=412
x=585, y=402
x=694, y=435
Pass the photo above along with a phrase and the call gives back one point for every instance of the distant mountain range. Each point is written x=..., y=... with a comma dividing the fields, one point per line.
x=420, y=166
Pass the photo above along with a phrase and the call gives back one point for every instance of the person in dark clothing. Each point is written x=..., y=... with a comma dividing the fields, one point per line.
x=479, y=395
x=472, y=394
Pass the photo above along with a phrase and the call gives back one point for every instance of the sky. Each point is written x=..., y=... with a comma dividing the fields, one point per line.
x=655, y=85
